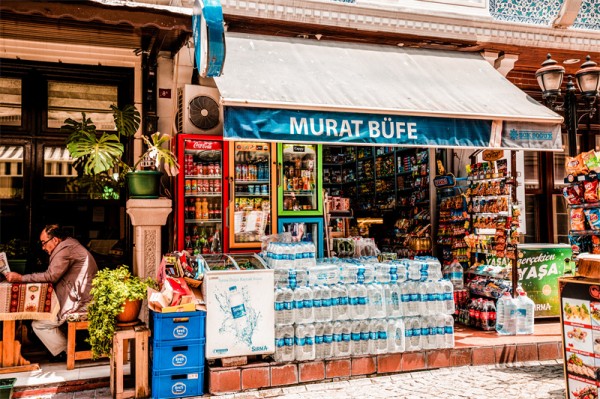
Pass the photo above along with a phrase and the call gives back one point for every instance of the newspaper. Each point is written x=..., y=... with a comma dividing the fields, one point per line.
x=4, y=264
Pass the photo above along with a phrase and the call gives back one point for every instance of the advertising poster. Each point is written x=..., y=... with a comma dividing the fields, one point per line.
x=540, y=266
x=580, y=316
x=240, y=313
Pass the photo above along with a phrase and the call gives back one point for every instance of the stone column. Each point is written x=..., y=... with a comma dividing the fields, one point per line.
x=147, y=217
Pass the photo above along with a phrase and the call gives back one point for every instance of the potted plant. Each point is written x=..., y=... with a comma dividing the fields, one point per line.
x=17, y=252
x=99, y=156
x=112, y=290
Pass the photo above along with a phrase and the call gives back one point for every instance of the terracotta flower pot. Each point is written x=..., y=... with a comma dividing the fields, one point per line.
x=131, y=312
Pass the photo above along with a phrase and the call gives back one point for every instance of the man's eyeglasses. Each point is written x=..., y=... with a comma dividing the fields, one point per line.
x=43, y=243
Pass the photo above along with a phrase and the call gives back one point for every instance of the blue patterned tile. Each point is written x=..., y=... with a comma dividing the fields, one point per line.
x=589, y=15
x=537, y=12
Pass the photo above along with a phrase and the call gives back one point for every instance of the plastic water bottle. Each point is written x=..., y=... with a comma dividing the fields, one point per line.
x=525, y=314
x=358, y=301
x=326, y=308
x=456, y=275
x=327, y=346
x=318, y=340
x=381, y=345
x=447, y=291
x=341, y=339
x=355, y=347
x=396, y=335
x=427, y=341
x=405, y=298
x=440, y=320
x=393, y=300
x=317, y=296
x=425, y=305
x=506, y=310
x=284, y=344
x=340, y=304
x=365, y=337
x=303, y=305
x=304, y=340
x=448, y=331
x=413, y=334
x=414, y=304
x=376, y=301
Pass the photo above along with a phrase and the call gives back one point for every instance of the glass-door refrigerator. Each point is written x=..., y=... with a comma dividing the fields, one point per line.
x=200, y=194
x=251, y=214
x=300, y=188
x=304, y=229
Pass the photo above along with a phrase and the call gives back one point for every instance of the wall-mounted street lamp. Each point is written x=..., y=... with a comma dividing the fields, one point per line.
x=550, y=77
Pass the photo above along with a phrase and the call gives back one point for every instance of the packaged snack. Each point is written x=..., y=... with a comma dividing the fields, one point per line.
x=575, y=166
x=580, y=243
x=590, y=194
x=573, y=194
x=591, y=160
x=595, y=245
x=593, y=218
x=577, y=219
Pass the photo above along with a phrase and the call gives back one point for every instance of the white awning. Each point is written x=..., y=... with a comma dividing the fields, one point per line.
x=303, y=74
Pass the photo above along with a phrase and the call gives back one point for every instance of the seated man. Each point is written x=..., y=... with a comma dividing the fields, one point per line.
x=71, y=271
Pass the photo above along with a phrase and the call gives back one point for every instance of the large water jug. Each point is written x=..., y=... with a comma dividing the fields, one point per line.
x=506, y=315
x=525, y=314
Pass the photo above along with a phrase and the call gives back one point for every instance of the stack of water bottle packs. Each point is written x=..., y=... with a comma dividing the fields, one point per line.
x=178, y=342
x=353, y=307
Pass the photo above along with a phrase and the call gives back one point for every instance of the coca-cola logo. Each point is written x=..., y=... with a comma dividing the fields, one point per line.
x=203, y=145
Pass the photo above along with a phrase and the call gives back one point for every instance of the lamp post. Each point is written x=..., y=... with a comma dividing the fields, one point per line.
x=550, y=77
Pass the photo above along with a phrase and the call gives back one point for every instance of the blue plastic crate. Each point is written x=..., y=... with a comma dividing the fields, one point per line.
x=167, y=356
x=177, y=326
x=178, y=384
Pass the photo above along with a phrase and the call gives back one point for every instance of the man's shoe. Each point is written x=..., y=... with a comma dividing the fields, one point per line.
x=60, y=358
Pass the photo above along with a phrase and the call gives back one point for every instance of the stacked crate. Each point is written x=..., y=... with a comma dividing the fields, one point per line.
x=178, y=341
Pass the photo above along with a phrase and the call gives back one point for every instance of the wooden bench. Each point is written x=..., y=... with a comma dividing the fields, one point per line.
x=72, y=353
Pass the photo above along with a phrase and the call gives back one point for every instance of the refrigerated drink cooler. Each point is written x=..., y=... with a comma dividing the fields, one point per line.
x=304, y=229
x=251, y=214
x=299, y=185
x=200, y=196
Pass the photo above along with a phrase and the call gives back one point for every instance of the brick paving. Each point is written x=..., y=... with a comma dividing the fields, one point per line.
x=521, y=380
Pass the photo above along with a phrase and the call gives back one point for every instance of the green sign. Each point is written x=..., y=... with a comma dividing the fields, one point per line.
x=540, y=266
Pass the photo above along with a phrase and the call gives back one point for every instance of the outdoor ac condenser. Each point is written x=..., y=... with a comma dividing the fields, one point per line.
x=199, y=110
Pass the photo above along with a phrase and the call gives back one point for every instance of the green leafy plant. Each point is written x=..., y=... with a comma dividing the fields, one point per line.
x=97, y=154
x=15, y=249
x=111, y=288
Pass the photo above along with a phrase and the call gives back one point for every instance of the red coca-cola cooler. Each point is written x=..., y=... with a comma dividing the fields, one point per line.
x=201, y=196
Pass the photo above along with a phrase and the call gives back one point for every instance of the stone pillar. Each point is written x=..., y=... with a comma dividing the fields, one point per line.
x=147, y=217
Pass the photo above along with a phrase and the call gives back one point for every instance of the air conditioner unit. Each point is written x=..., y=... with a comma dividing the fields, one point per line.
x=199, y=110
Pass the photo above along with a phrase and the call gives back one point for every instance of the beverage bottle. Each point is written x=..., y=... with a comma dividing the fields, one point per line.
x=355, y=347
x=365, y=335
x=393, y=300
x=287, y=298
x=426, y=339
x=405, y=298
x=279, y=309
x=342, y=336
x=440, y=325
x=448, y=331
x=238, y=308
x=303, y=311
x=413, y=334
x=376, y=300
x=327, y=349
x=343, y=309
x=198, y=209
x=447, y=290
x=318, y=340
x=472, y=307
x=414, y=304
x=361, y=310
x=506, y=310
x=478, y=307
x=326, y=304
x=424, y=304
x=204, y=209
x=304, y=341
x=492, y=315
x=456, y=275
x=284, y=344
x=395, y=335
x=525, y=314
x=317, y=295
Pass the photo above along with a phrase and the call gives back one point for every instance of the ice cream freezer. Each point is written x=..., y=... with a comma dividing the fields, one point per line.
x=238, y=291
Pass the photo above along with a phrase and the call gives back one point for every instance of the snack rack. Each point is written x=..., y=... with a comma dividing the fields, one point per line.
x=494, y=212
x=583, y=211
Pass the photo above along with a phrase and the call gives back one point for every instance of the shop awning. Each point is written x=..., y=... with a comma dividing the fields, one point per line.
x=283, y=89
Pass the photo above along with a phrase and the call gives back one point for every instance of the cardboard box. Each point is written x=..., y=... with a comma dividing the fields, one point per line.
x=158, y=303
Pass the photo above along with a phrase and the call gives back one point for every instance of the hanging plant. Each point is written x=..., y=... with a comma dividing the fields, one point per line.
x=110, y=290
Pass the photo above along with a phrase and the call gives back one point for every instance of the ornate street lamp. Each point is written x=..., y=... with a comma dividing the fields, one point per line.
x=550, y=77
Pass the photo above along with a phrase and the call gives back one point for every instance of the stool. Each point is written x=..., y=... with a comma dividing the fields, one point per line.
x=72, y=353
x=138, y=337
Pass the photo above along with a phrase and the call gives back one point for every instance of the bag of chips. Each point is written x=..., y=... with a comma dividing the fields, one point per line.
x=590, y=194
x=593, y=218
x=591, y=160
x=573, y=194
x=575, y=166
x=577, y=219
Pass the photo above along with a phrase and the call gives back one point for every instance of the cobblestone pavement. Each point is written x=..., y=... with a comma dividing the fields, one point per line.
x=530, y=380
